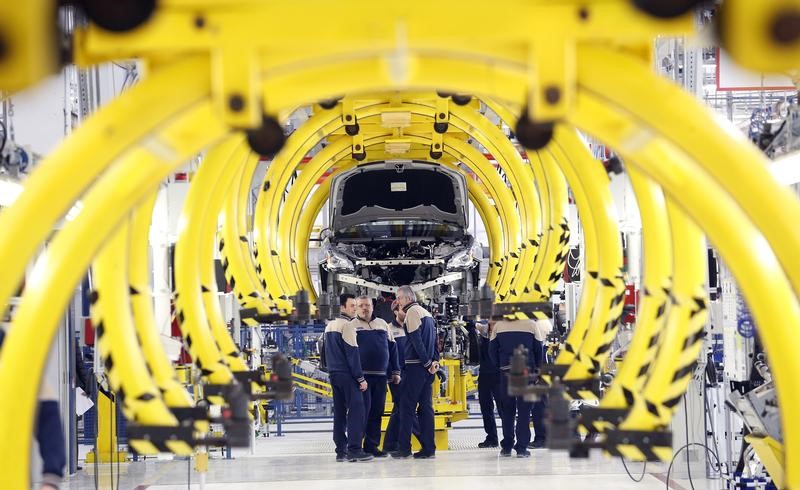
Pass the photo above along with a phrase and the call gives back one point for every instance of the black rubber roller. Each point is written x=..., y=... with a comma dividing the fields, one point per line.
x=119, y=15
x=329, y=104
x=461, y=99
x=268, y=139
x=533, y=135
x=667, y=9
x=352, y=129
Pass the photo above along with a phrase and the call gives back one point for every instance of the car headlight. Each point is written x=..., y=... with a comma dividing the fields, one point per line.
x=461, y=260
x=338, y=262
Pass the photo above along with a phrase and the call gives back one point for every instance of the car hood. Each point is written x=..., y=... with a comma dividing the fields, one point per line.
x=398, y=190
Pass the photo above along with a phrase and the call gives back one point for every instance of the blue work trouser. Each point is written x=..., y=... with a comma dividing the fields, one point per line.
x=537, y=416
x=416, y=391
x=393, y=427
x=348, y=413
x=50, y=437
x=488, y=396
x=374, y=405
x=516, y=416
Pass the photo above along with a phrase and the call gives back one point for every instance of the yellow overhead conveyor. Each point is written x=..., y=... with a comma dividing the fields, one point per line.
x=561, y=65
x=125, y=366
x=190, y=310
x=238, y=261
x=311, y=209
x=285, y=261
x=653, y=309
x=69, y=254
x=147, y=332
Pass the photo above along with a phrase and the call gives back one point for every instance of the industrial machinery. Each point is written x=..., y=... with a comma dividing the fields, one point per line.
x=408, y=89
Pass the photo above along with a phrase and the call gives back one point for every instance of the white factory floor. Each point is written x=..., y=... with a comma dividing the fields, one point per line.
x=305, y=460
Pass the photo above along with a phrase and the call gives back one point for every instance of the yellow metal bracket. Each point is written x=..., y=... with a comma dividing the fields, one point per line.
x=234, y=77
x=762, y=35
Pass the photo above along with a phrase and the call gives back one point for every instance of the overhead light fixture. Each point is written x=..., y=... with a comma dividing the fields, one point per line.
x=9, y=192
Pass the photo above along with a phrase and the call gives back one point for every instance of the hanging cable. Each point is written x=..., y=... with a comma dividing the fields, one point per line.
x=641, y=477
x=684, y=447
x=688, y=445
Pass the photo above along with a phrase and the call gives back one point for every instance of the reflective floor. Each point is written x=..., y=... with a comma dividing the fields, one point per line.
x=306, y=460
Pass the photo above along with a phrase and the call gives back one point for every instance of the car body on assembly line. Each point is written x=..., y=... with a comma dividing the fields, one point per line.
x=399, y=222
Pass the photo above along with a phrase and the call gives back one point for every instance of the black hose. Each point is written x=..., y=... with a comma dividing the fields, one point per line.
x=685, y=446
x=641, y=477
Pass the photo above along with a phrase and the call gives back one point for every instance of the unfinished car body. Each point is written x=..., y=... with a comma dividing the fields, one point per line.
x=399, y=222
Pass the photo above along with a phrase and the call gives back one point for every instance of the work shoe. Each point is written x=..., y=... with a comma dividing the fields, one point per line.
x=505, y=453
x=421, y=455
x=341, y=458
x=486, y=444
x=400, y=454
x=359, y=456
x=378, y=453
x=523, y=454
x=536, y=445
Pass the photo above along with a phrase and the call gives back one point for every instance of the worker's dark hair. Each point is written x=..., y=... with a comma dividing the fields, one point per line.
x=344, y=297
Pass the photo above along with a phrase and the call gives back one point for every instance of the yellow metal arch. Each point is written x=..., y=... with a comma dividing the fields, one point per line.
x=117, y=346
x=748, y=254
x=136, y=174
x=724, y=156
x=189, y=305
x=175, y=395
x=340, y=149
x=216, y=193
x=496, y=65
x=506, y=153
x=653, y=309
x=180, y=85
x=234, y=245
x=320, y=195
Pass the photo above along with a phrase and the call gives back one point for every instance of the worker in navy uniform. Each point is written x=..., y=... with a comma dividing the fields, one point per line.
x=378, y=353
x=507, y=336
x=421, y=363
x=542, y=330
x=49, y=434
x=488, y=387
x=347, y=381
x=399, y=334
